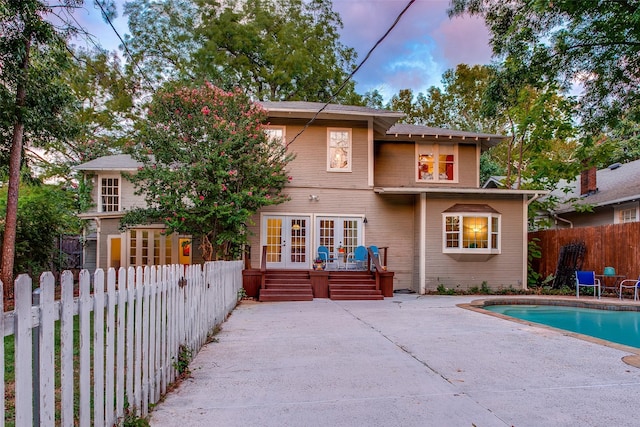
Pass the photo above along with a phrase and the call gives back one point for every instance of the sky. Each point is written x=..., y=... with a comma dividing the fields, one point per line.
x=423, y=45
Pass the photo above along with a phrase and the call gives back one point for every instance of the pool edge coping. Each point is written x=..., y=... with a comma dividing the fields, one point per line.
x=607, y=304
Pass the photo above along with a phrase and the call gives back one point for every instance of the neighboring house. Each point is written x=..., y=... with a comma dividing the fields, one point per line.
x=105, y=244
x=611, y=194
x=358, y=179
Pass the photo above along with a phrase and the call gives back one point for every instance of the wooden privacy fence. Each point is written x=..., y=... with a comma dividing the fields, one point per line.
x=614, y=245
x=132, y=324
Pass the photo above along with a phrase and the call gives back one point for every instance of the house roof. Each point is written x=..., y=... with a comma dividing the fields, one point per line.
x=116, y=162
x=619, y=183
x=486, y=139
x=382, y=119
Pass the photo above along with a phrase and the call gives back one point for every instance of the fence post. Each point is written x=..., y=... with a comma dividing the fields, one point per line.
x=35, y=366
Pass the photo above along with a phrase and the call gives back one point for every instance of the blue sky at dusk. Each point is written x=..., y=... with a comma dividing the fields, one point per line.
x=421, y=47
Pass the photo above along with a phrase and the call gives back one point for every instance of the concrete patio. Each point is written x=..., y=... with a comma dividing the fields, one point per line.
x=405, y=361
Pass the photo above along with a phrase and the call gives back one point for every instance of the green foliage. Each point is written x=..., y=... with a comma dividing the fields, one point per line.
x=273, y=49
x=442, y=290
x=181, y=363
x=44, y=213
x=131, y=419
x=533, y=252
x=162, y=39
x=242, y=293
x=457, y=105
x=208, y=166
x=300, y=59
x=103, y=113
x=484, y=288
x=596, y=43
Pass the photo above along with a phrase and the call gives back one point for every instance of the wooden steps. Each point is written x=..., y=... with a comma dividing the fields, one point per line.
x=287, y=285
x=295, y=285
x=353, y=285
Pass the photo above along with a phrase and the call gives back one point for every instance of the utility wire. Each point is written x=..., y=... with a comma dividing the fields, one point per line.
x=355, y=70
x=105, y=15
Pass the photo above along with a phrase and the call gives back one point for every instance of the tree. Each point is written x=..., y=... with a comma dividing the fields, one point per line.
x=33, y=101
x=596, y=43
x=163, y=39
x=457, y=105
x=274, y=49
x=45, y=212
x=539, y=120
x=208, y=166
x=279, y=50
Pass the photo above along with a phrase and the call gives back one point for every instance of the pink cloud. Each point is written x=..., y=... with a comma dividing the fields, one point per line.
x=463, y=41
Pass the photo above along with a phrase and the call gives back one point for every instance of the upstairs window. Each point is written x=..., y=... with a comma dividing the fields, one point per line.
x=338, y=150
x=109, y=195
x=471, y=229
x=275, y=133
x=436, y=163
x=626, y=213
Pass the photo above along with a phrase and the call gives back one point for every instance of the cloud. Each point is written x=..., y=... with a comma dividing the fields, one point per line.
x=423, y=45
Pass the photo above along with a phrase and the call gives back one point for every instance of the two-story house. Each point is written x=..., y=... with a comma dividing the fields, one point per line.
x=358, y=178
x=361, y=179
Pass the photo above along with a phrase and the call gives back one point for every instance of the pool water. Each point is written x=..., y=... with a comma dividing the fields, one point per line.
x=622, y=327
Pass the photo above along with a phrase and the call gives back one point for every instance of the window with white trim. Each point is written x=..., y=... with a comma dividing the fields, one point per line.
x=437, y=163
x=471, y=232
x=110, y=194
x=626, y=213
x=338, y=150
x=275, y=133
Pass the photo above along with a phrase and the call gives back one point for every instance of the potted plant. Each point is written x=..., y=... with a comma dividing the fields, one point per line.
x=319, y=264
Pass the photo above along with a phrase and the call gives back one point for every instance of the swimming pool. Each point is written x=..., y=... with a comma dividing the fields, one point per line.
x=619, y=326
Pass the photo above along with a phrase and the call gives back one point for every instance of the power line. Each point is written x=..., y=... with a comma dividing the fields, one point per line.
x=355, y=70
x=105, y=15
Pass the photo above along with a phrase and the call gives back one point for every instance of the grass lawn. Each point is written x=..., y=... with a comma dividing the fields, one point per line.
x=9, y=372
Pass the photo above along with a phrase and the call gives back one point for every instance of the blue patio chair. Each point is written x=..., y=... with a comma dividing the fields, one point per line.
x=630, y=283
x=358, y=258
x=587, y=279
x=323, y=253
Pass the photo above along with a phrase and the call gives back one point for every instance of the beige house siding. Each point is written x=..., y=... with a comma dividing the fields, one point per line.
x=309, y=168
x=390, y=222
x=395, y=165
x=128, y=200
x=499, y=271
x=108, y=227
x=468, y=168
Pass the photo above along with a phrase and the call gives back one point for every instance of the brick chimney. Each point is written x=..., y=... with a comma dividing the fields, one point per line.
x=588, y=183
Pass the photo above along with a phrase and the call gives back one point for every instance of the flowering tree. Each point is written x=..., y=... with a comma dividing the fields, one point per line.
x=208, y=166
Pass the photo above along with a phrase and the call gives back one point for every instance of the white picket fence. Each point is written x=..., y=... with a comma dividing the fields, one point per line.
x=135, y=320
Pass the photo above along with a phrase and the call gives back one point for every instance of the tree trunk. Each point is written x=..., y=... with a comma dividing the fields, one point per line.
x=15, y=160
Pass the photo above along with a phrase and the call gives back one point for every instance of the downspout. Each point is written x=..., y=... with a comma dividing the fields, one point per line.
x=98, y=242
x=422, y=244
x=558, y=218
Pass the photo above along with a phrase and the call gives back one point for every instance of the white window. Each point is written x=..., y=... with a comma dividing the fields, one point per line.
x=109, y=194
x=339, y=150
x=471, y=232
x=626, y=213
x=276, y=133
x=436, y=163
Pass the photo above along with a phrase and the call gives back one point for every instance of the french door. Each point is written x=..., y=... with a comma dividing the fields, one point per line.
x=336, y=232
x=287, y=241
